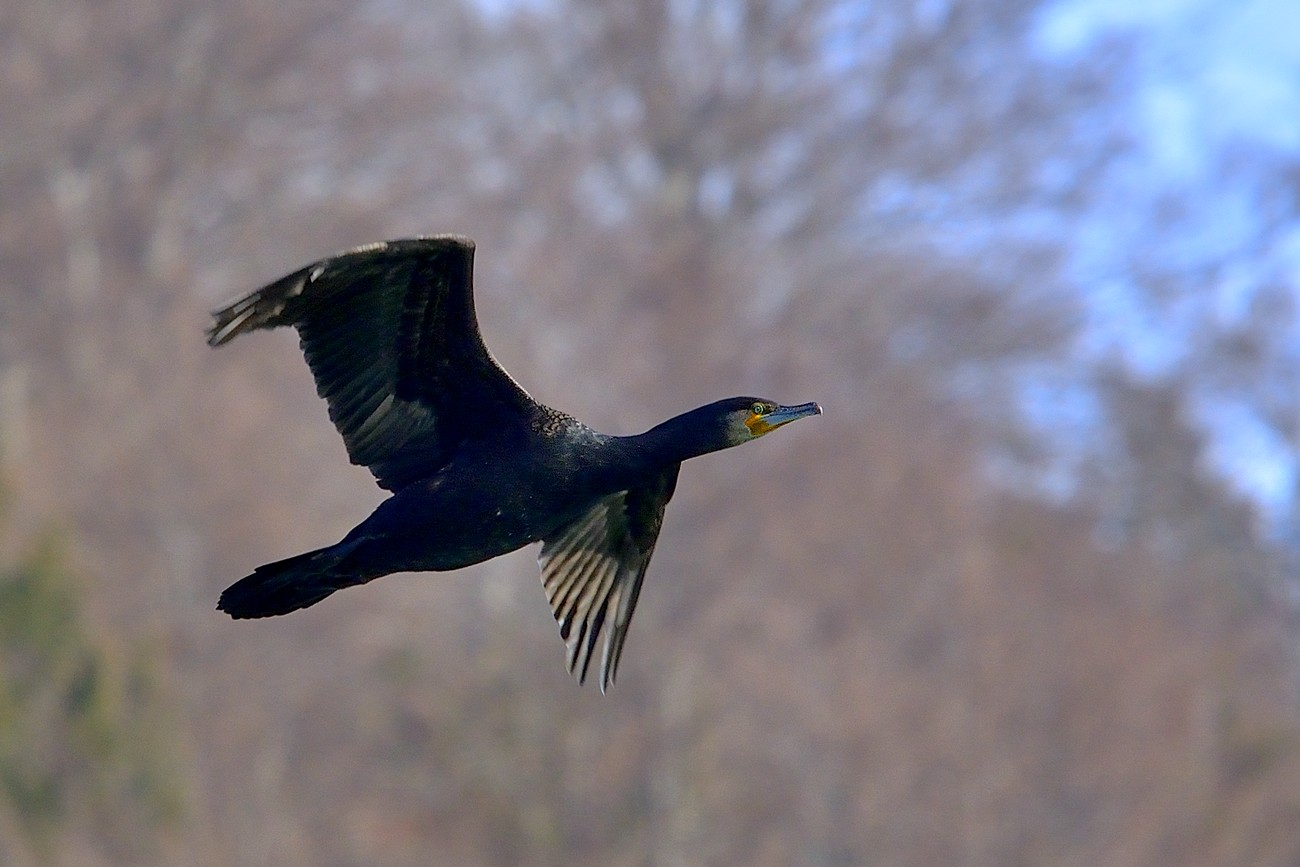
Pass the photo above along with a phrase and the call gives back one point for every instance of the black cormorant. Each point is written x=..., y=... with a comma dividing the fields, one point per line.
x=476, y=467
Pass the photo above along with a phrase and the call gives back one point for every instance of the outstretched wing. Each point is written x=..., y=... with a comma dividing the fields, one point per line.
x=390, y=334
x=592, y=570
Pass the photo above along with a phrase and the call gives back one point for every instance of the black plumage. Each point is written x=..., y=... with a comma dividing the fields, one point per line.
x=477, y=467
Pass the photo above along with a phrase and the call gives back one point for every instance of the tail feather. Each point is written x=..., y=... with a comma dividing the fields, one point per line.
x=286, y=585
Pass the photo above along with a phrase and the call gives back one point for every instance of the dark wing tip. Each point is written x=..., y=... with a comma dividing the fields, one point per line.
x=230, y=320
x=592, y=571
x=263, y=308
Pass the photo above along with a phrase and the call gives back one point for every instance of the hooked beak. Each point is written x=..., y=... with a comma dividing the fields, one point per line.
x=782, y=415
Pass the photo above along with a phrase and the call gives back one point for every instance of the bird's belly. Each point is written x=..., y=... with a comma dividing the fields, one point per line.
x=415, y=533
x=467, y=540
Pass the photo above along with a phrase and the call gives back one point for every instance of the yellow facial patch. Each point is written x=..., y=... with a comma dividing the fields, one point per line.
x=758, y=425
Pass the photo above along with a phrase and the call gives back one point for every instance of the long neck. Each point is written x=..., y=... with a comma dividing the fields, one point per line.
x=681, y=438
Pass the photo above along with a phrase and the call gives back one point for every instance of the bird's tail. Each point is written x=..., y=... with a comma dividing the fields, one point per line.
x=287, y=585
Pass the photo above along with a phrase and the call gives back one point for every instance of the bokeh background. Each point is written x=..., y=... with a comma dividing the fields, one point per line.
x=1025, y=595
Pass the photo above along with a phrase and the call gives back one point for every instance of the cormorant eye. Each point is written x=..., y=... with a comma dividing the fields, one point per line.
x=758, y=409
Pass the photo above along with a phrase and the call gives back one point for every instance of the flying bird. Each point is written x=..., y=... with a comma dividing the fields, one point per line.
x=476, y=467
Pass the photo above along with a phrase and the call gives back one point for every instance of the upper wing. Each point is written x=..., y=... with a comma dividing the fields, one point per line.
x=390, y=334
x=593, y=567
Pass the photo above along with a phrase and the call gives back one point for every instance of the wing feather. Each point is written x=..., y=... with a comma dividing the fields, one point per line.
x=593, y=568
x=391, y=337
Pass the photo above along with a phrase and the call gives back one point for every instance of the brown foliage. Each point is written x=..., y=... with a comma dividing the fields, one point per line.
x=853, y=647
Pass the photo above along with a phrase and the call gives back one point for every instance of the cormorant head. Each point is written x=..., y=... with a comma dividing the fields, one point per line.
x=749, y=418
x=718, y=425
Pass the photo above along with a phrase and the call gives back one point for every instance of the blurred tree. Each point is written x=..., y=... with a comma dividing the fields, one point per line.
x=856, y=647
x=87, y=736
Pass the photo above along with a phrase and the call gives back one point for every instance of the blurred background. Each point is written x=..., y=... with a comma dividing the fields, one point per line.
x=1025, y=594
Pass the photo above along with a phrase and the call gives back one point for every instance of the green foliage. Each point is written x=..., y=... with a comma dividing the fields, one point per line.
x=84, y=733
